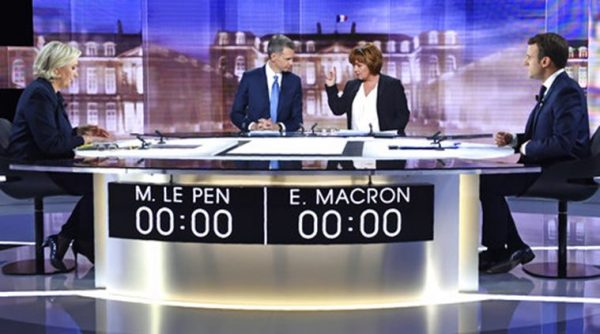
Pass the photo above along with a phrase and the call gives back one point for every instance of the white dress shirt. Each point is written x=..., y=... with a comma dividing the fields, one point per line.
x=364, y=110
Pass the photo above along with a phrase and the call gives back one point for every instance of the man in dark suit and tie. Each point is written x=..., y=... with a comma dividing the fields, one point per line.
x=270, y=97
x=557, y=130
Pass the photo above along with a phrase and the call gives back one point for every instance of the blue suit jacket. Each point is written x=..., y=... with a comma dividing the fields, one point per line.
x=252, y=100
x=41, y=128
x=561, y=130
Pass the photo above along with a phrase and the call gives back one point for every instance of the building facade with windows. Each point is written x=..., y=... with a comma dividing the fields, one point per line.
x=109, y=90
x=417, y=61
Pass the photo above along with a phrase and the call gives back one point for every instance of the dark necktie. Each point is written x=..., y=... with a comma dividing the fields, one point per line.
x=536, y=112
x=540, y=96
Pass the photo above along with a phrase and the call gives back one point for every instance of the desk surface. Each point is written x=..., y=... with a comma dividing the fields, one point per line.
x=354, y=154
x=273, y=273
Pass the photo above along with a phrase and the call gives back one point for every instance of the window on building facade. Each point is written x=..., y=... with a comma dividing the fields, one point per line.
x=222, y=64
x=348, y=69
x=240, y=38
x=91, y=49
x=223, y=38
x=310, y=46
x=297, y=70
x=240, y=66
x=110, y=80
x=297, y=46
x=582, y=52
x=324, y=105
x=450, y=37
x=133, y=116
x=391, y=69
x=339, y=65
x=111, y=116
x=18, y=73
x=92, y=80
x=311, y=103
x=405, y=76
x=450, y=63
x=311, y=73
x=74, y=44
x=377, y=44
x=92, y=113
x=109, y=49
x=434, y=67
x=391, y=46
x=405, y=46
x=73, y=110
x=433, y=37
x=139, y=78
x=74, y=87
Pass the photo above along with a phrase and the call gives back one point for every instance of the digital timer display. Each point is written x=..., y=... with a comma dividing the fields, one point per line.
x=186, y=213
x=271, y=215
x=347, y=215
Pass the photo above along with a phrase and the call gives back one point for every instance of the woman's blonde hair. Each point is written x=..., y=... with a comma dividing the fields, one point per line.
x=52, y=56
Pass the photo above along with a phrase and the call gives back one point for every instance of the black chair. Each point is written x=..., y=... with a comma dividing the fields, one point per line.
x=29, y=185
x=567, y=181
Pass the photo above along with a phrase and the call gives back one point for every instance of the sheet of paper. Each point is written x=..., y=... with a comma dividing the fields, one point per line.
x=310, y=146
x=416, y=148
x=192, y=148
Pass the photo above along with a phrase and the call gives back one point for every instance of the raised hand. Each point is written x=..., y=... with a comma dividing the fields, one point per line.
x=330, y=77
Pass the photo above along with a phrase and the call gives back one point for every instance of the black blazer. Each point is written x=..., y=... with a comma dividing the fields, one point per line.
x=392, y=109
x=252, y=100
x=41, y=128
x=560, y=131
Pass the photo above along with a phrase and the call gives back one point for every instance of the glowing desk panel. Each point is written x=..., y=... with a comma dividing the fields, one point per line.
x=294, y=275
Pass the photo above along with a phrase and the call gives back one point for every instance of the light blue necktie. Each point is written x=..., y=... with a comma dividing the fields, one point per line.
x=274, y=99
x=274, y=103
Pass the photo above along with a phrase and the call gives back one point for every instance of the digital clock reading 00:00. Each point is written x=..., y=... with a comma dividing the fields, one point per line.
x=186, y=213
x=289, y=215
x=347, y=215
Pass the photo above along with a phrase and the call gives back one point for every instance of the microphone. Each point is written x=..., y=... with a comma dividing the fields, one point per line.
x=145, y=144
x=313, y=127
x=160, y=135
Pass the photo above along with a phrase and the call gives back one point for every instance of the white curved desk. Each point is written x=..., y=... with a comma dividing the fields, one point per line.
x=175, y=260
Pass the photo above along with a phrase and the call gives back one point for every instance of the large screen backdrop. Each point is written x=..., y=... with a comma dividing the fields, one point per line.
x=151, y=65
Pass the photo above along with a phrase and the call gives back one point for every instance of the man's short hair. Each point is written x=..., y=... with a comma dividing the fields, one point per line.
x=369, y=55
x=278, y=43
x=553, y=46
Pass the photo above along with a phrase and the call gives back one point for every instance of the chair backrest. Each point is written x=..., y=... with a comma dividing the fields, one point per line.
x=570, y=180
x=595, y=142
x=5, y=126
x=18, y=184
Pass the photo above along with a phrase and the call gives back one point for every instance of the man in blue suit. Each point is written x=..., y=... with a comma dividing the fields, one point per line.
x=270, y=97
x=557, y=130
